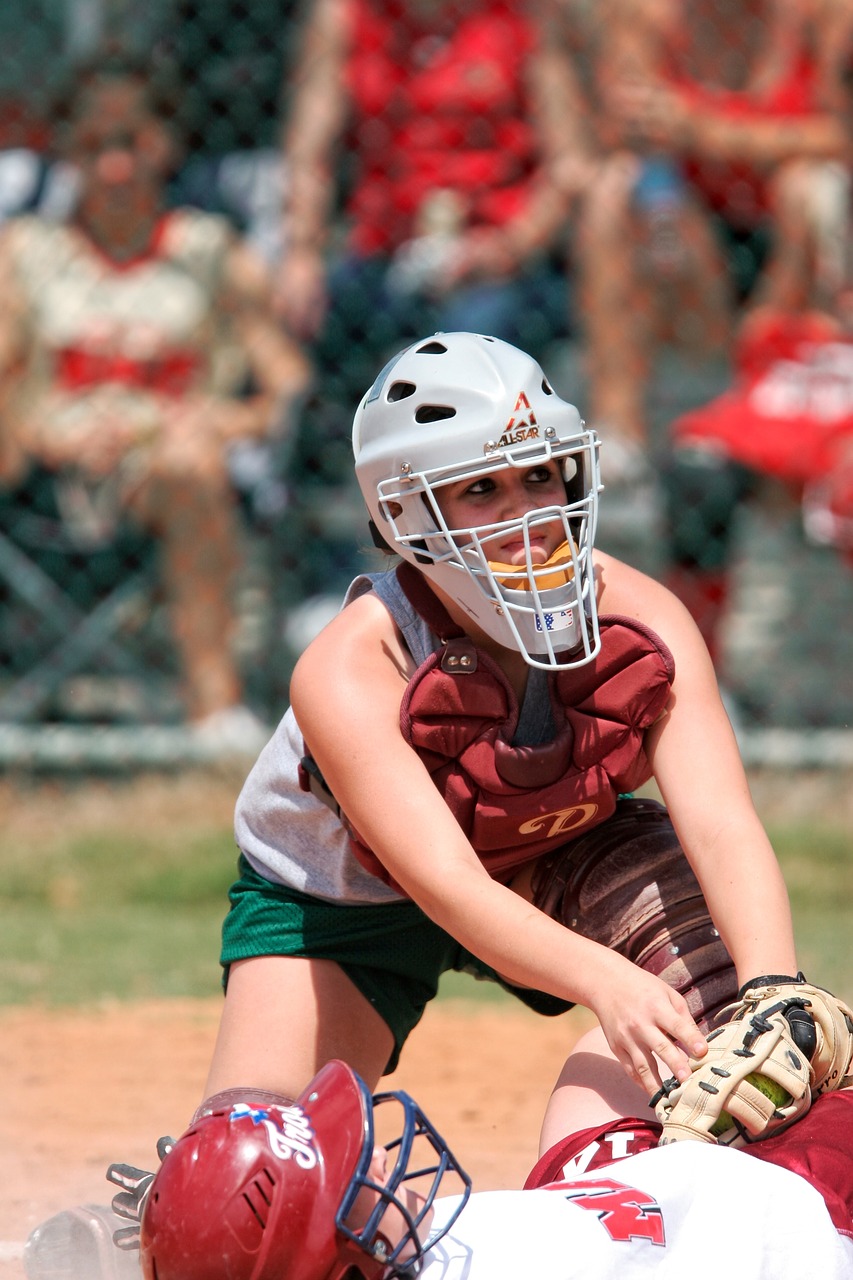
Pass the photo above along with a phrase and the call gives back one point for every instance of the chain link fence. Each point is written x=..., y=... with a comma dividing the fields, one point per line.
x=396, y=168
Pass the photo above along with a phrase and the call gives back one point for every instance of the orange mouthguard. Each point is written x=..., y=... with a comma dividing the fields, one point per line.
x=557, y=571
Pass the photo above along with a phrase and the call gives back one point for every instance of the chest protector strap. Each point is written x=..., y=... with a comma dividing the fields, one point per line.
x=460, y=714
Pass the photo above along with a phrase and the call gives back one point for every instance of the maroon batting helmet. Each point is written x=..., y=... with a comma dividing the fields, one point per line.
x=261, y=1190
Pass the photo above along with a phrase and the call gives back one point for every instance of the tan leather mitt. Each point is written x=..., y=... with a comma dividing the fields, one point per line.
x=754, y=1081
x=830, y=1049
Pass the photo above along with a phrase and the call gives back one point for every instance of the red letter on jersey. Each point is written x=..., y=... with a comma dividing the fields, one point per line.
x=627, y=1214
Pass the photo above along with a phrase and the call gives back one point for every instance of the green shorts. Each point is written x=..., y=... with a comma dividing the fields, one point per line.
x=393, y=953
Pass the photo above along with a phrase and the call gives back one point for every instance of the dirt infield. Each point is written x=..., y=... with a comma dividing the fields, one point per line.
x=83, y=1088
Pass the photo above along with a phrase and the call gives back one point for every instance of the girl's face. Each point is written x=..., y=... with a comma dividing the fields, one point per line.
x=508, y=495
x=394, y=1226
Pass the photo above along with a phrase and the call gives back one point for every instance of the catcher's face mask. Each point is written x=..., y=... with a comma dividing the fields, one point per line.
x=458, y=409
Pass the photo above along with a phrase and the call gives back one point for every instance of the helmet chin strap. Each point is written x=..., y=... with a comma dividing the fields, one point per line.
x=557, y=571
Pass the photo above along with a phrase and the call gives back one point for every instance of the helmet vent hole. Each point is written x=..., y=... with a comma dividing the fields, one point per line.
x=401, y=391
x=258, y=1196
x=547, y=388
x=432, y=349
x=434, y=413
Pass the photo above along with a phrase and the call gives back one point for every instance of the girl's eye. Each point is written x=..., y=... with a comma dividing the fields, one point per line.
x=486, y=485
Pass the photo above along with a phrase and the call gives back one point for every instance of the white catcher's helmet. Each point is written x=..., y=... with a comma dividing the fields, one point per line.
x=457, y=406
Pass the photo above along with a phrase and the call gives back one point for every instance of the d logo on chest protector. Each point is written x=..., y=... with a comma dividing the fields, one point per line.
x=561, y=821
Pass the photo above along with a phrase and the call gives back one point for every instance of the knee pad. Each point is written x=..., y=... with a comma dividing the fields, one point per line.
x=627, y=885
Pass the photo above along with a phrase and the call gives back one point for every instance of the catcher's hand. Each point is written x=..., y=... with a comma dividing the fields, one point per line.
x=753, y=1081
x=130, y=1201
x=822, y=1026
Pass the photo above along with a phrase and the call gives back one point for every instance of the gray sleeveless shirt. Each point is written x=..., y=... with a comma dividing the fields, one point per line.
x=292, y=838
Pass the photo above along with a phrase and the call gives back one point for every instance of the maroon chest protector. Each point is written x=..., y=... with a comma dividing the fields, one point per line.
x=460, y=714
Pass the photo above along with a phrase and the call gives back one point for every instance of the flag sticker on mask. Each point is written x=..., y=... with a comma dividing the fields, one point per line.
x=554, y=621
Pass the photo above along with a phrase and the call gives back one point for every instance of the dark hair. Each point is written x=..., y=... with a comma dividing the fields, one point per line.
x=156, y=78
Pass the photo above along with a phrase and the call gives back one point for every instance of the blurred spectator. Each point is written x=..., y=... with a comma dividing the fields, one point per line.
x=433, y=151
x=787, y=419
x=41, y=41
x=137, y=347
x=457, y=131
x=701, y=104
x=234, y=61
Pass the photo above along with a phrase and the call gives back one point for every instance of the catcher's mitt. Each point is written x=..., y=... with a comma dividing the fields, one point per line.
x=754, y=1081
x=628, y=885
x=821, y=1024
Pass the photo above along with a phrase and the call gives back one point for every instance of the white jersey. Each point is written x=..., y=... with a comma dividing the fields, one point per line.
x=113, y=339
x=685, y=1210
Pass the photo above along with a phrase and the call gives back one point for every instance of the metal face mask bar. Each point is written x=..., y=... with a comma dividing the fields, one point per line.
x=549, y=609
x=421, y=1157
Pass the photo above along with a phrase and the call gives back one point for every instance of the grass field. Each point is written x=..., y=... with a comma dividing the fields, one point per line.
x=115, y=890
